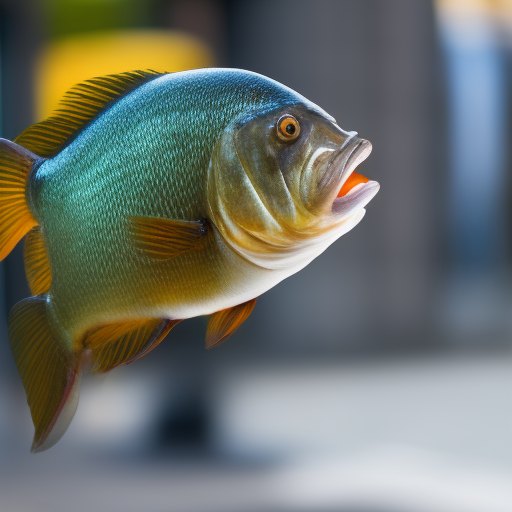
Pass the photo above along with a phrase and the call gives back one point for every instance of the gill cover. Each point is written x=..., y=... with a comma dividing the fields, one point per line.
x=271, y=198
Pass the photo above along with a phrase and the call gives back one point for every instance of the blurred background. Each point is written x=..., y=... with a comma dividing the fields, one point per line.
x=377, y=379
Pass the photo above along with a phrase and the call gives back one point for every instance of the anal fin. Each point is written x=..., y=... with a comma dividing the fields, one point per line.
x=225, y=323
x=163, y=239
x=49, y=370
x=125, y=342
x=37, y=265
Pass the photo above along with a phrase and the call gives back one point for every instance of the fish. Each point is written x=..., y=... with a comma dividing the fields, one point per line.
x=149, y=198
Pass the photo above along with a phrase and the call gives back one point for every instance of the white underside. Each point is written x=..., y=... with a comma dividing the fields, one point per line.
x=259, y=273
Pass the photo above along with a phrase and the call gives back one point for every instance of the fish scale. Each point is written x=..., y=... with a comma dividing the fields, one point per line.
x=159, y=191
x=178, y=195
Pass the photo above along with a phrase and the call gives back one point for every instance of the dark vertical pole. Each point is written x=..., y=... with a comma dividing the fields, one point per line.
x=410, y=142
x=205, y=19
x=3, y=319
x=19, y=40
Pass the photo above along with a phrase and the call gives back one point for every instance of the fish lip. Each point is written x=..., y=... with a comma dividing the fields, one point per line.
x=348, y=158
x=355, y=200
x=343, y=164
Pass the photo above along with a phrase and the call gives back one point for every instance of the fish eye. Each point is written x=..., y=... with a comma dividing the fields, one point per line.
x=288, y=128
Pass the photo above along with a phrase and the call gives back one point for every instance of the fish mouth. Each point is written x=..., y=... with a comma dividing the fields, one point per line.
x=355, y=191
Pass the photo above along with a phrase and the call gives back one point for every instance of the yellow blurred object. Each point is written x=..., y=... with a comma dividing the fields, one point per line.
x=478, y=17
x=65, y=63
x=476, y=7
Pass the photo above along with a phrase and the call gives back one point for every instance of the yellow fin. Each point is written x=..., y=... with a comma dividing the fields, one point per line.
x=125, y=342
x=163, y=239
x=225, y=323
x=80, y=105
x=37, y=265
x=15, y=217
x=48, y=369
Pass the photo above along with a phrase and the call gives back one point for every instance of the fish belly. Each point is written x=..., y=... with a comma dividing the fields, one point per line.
x=213, y=279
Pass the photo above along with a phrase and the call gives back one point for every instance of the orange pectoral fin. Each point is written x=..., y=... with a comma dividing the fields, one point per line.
x=163, y=239
x=225, y=323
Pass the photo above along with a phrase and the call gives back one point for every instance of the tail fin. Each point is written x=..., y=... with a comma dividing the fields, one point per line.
x=15, y=217
x=48, y=367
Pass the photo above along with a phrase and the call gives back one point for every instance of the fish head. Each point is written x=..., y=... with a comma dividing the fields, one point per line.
x=282, y=187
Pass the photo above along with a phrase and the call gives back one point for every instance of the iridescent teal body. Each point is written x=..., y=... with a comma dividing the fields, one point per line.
x=147, y=199
x=147, y=155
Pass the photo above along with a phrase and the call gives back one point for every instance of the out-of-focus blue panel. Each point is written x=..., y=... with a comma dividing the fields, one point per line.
x=477, y=130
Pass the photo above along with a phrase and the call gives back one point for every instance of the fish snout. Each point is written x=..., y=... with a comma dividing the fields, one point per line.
x=354, y=189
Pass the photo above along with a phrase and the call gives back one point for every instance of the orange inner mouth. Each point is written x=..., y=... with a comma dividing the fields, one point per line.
x=353, y=180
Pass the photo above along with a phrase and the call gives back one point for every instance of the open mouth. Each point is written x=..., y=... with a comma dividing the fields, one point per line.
x=352, y=181
x=356, y=190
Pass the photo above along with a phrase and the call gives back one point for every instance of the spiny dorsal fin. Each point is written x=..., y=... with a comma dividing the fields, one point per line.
x=37, y=265
x=163, y=239
x=125, y=342
x=80, y=105
x=225, y=323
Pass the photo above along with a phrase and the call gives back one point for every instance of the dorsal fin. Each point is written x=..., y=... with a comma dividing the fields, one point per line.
x=79, y=106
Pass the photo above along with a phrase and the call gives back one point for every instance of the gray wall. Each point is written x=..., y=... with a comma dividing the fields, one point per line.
x=374, y=66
